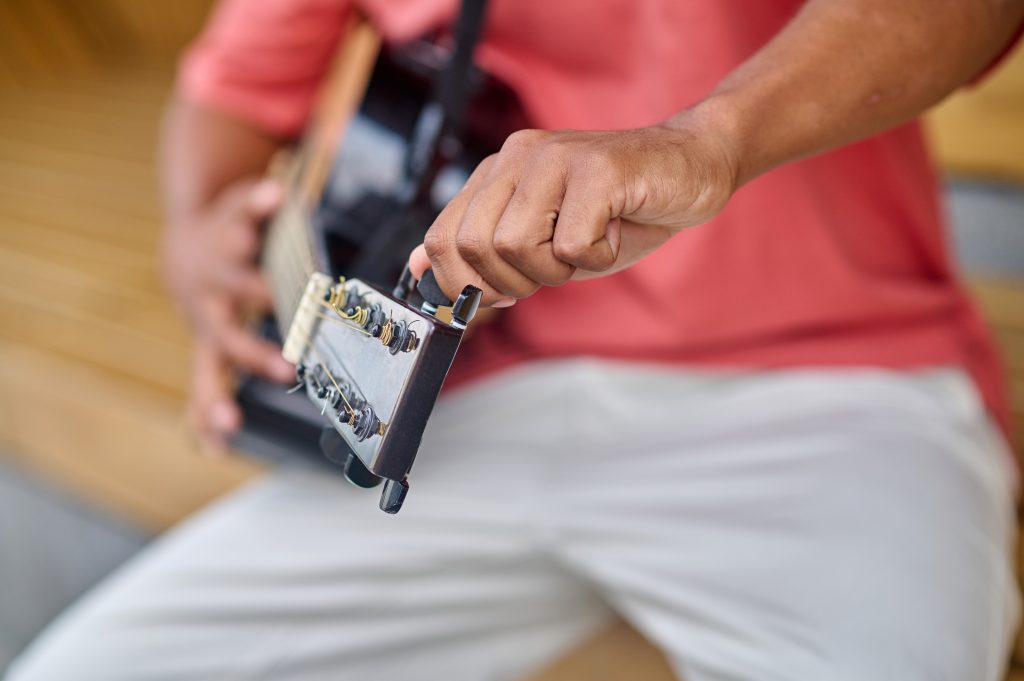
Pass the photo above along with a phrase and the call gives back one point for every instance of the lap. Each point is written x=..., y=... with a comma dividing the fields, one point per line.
x=778, y=526
x=301, y=576
x=844, y=525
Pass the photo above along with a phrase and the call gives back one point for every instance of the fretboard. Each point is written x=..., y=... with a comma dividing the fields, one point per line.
x=288, y=261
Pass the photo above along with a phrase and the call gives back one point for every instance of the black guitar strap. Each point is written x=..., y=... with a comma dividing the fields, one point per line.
x=459, y=76
x=434, y=141
x=441, y=120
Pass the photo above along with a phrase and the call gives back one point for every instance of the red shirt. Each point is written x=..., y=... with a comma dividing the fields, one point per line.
x=836, y=261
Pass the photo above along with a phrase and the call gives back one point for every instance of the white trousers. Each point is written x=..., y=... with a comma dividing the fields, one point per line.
x=789, y=525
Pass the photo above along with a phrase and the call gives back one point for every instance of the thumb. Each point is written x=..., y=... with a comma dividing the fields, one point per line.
x=419, y=262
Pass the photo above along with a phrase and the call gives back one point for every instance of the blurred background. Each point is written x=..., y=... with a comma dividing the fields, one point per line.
x=94, y=456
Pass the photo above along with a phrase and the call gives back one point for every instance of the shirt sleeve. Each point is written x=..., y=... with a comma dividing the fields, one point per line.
x=262, y=61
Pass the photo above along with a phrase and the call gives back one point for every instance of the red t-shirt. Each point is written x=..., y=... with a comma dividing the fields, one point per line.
x=836, y=261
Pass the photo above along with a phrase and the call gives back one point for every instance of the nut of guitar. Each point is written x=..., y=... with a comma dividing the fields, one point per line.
x=306, y=317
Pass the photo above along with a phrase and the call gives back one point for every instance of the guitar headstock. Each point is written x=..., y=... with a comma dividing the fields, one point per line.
x=373, y=362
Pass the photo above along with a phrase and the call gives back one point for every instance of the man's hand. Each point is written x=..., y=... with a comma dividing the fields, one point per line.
x=552, y=206
x=555, y=206
x=209, y=265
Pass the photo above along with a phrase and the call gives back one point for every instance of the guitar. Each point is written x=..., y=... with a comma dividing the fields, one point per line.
x=392, y=141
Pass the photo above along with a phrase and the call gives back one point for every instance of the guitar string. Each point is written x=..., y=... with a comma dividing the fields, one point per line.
x=287, y=267
x=355, y=385
x=297, y=269
x=297, y=254
x=293, y=262
x=338, y=320
x=348, y=373
x=327, y=371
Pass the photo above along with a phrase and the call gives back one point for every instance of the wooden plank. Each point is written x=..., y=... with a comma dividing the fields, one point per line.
x=69, y=46
x=36, y=189
x=1001, y=301
x=102, y=293
x=118, y=347
x=977, y=131
x=162, y=28
x=107, y=438
x=20, y=44
x=50, y=241
x=618, y=652
x=112, y=319
x=1011, y=344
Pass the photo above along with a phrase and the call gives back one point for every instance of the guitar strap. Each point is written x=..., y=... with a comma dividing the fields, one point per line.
x=434, y=141
x=441, y=120
x=459, y=76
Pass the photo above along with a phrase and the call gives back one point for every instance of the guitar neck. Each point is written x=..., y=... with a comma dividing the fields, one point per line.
x=288, y=256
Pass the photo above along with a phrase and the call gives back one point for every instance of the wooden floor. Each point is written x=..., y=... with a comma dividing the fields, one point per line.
x=92, y=358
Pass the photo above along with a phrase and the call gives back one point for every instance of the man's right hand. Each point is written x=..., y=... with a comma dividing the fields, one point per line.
x=209, y=265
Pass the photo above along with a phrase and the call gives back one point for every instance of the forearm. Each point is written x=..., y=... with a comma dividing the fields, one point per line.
x=202, y=152
x=845, y=69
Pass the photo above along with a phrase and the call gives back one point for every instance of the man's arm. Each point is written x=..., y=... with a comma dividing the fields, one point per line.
x=558, y=205
x=203, y=151
x=247, y=84
x=843, y=70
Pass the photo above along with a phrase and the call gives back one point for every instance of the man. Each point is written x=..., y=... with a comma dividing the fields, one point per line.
x=765, y=441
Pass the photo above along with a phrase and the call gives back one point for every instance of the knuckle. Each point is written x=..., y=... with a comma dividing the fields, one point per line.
x=562, y=144
x=485, y=165
x=470, y=246
x=436, y=243
x=479, y=175
x=508, y=244
x=521, y=140
x=578, y=252
x=570, y=251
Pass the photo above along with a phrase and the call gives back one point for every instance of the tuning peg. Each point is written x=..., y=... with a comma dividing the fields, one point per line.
x=334, y=448
x=358, y=474
x=433, y=296
x=465, y=307
x=393, y=495
x=404, y=285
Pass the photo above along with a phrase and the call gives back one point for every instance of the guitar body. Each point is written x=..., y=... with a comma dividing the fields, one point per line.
x=368, y=189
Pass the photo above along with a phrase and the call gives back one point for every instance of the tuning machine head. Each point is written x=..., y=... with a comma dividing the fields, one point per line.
x=464, y=307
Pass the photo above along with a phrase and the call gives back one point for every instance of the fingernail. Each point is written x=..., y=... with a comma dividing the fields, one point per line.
x=505, y=302
x=223, y=417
